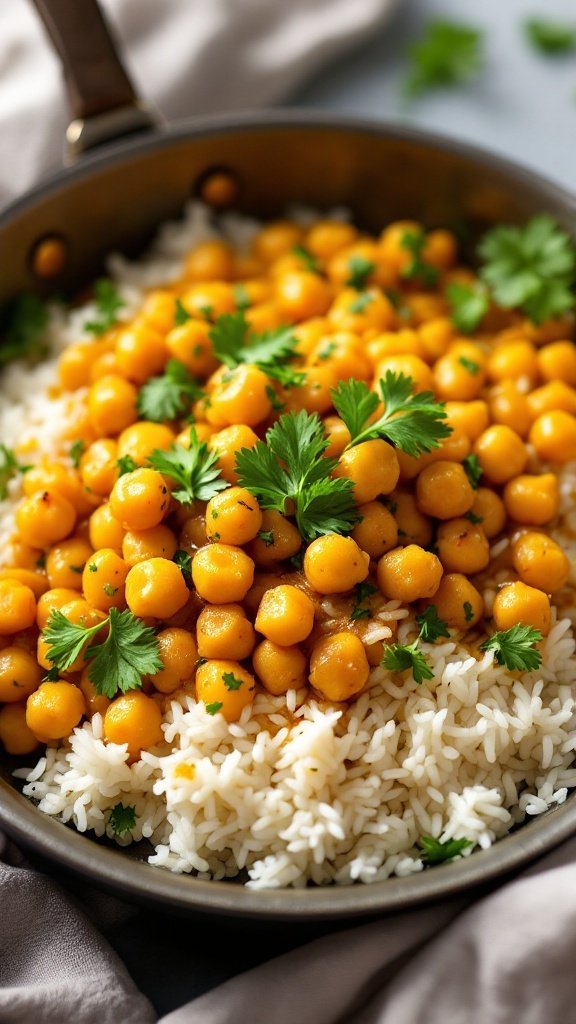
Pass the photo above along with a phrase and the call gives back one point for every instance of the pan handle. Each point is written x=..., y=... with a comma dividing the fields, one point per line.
x=102, y=99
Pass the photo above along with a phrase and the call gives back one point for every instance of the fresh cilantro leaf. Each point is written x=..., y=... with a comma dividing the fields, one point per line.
x=181, y=314
x=417, y=268
x=399, y=657
x=213, y=709
x=468, y=303
x=194, y=468
x=473, y=470
x=359, y=269
x=126, y=464
x=231, y=682
x=52, y=675
x=169, y=396
x=308, y=260
x=468, y=611
x=289, y=473
x=362, y=592
x=515, y=647
x=359, y=305
x=448, y=54
x=241, y=297
x=550, y=37
x=184, y=562
x=122, y=819
x=108, y=302
x=9, y=468
x=413, y=422
x=76, y=452
x=437, y=852
x=531, y=267
x=65, y=640
x=431, y=627
x=229, y=340
x=22, y=329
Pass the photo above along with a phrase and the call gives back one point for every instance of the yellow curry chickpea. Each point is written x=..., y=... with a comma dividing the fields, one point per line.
x=222, y=573
x=501, y=453
x=156, y=587
x=15, y=736
x=339, y=667
x=157, y=542
x=17, y=607
x=45, y=517
x=377, y=531
x=553, y=436
x=65, y=563
x=99, y=467
x=409, y=573
x=532, y=499
x=373, y=468
x=134, y=719
x=104, y=529
x=489, y=510
x=517, y=603
x=53, y=600
x=540, y=561
x=285, y=615
x=54, y=709
x=233, y=516
x=140, y=499
x=179, y=654
x=335, y=564
x=457, y=602
x=103, y=580
x=280, y=668
x=444, y=491
x=139, y=440
x=20, y=674
x=227, y=443
x=240, y=396
x=557, y=361
x=224, y=631
x=112, y=404
x=413, y=526
x=462, y=546
x=276, y=540
x=225, y=687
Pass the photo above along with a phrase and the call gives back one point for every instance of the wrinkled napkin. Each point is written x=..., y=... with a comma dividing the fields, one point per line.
x=504, y=958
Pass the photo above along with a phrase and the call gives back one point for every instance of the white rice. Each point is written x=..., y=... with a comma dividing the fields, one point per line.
x=299, y=791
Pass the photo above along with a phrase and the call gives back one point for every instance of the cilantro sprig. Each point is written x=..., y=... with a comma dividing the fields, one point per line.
x=289, y=472
x=468, y=304
x=531, y=268
x=122, y=819
x=434, y=851
x=22, y=333
x=269, y=350
x=431, y=626
x=168, y=396
x=108, y=303
x=194, y=468
x=515, y=647
x=448, y=54
x=129, y=652
x=413, y=422
x=400, y=657
x=9, y=468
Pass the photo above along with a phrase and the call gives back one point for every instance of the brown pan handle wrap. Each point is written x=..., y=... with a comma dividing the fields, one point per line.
x=103, y=101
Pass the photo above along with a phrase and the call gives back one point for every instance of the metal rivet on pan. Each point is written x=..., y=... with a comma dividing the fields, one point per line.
x=49, y=256
x=218, y=187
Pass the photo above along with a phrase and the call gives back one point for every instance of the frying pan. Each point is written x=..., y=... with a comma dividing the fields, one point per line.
x=132, y=175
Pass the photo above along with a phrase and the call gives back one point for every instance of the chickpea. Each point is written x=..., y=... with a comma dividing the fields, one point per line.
x=139, y=440
x=285, y=615
x=223, y=630
x=158, y=310
x=470, y=418
x=222, y=574
x=517, y=603
x=554, y=395
x=210, y=260
x=553, y=435
x=156, y=587
x=457, y=602
x=440, y=249
x=377, y=531
x=444, y=491
x=532, y=500
x=327, y=237
x=44, y=518
x=140, y=500
x=103, y=580
x=20, y=674
x=315, y=393
x=356, y=311
x=75, y=364
x=53, y=600
x=344, y=354
x=179, y=655
x=17, y=607
x=341, y=266
x=112, y=404
x=557, y=361
x=413, y=526
x=411, y=366
x=501, y=453
x=227, y=443
x=233, y=516
x=302, y=294
x=225, y=687
x=277, y=539
x=540, y=561
x=338, y=436
x=489, y=508
x=104, y=530
x=193, y=532
x=373, y=468
x=279, y=669
x=139, y=545
x=98, y=466
x=15, y=736
x=133, y=719
x=215, y=296
x=436, y=337
x=462, y=546
x=190, y=344
x=96, y=703
x=36, y=580
x=141, y=352
x=510, y=408
x=65, y=563
x=395, y=343
x=409, y=573
x=54, y=709
x=240, y=396
x=458, y=377
x=334, y=564
x=63, y=480
x=339, y=667
x=513, y=360
x=276, y=239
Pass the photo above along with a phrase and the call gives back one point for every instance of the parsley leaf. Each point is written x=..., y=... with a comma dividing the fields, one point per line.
x=362, y=591
x=515, y=647
x=23, y=328
x=76, y=452
x=550, y=37
x=9, y=468
x=268, y=350
x=289, y=473
x=126, y=464
x=122, y=819
x=468, y=303
x=530, y=267
x=308, y=260
x=417, y=268
x=360, y=269
x=413, y=422
x=181, y=314
x=431, y=627
x=473, y=470
x=169, y=396
x=399, y=657
x=194, y=468
x=108, y=302
x=437, y=852
x=448, y=54
x=231, y=682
